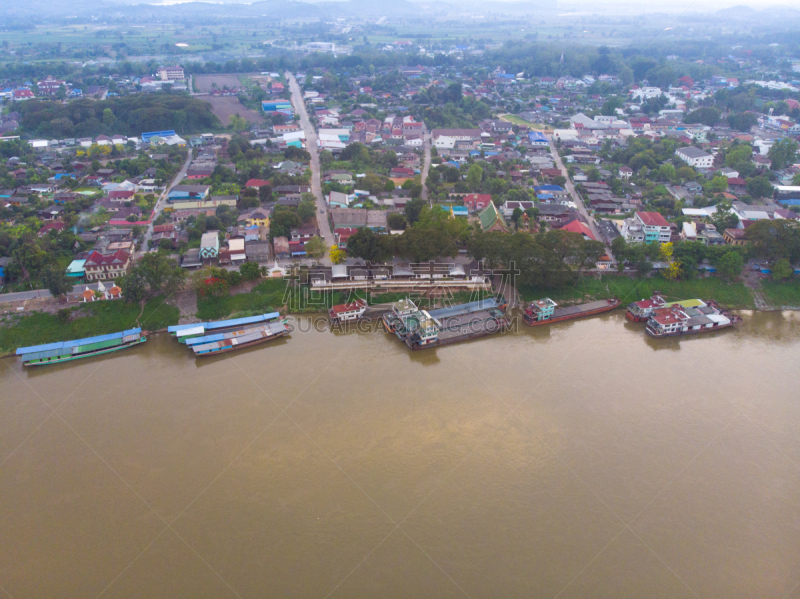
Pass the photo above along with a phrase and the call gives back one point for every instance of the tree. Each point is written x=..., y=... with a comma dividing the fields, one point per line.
x=743, y=121
x=396, y=221
x=666, y=172
x=337, y=255
x=57, y=281
x=783, y=153
x=775, y=239
x=250, y=271
x=673, y=271
x=474, y=177
x=706, y=116
x=283, y=220
x=315, y=247
x=759, y=187
x=782, y=270
x=159, y=274
x=665, y=252
x=413, y=209
x=368, y=245
x=730, y=265
x=306, y=211
x=238, y=123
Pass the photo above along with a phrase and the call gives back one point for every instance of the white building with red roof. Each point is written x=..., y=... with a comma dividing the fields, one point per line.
x=99, y=266
x=646, y=227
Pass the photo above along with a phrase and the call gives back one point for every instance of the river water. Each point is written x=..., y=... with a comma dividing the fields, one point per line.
x=581, y=459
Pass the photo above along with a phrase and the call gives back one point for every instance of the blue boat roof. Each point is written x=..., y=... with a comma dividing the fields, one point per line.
x=221, y=324
x=66, y=344
x=485, y=304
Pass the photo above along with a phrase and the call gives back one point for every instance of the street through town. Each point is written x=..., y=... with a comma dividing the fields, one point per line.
x=576, y=197
x=313, y=149
x=162, y=200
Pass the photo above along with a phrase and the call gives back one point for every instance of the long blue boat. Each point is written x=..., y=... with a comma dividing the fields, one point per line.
x=64, y=351
x=184, y=332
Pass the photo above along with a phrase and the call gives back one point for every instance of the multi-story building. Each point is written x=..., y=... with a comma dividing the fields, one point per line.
x=100, y=267
x=646, y=227
x=695, y=157
x=170, y=73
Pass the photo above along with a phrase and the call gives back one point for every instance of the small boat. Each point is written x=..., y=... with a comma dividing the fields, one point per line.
x=679, y=320
x=220, y=343
x=346, y=312
x=65, y=351
x=545, y=311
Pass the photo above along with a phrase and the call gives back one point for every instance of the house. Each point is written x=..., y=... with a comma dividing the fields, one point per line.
x=477, y=201
x=280, y=247
x=256, y=183
x=625, y=172
x=106, y=266
x=209, y=245
x=491, y=219
x=734, y=236
x=258, y=217
x=577, y=226
x=646, y=227
x=695, y=157
x=180, y=192
x=257, y=251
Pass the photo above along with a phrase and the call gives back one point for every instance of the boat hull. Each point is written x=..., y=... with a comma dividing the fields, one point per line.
x=239, y=346
x=108, y=350
x=735, y=320
x=613, y=304
x=633, y=318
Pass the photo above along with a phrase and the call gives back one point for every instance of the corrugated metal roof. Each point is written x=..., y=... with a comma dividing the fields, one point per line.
x=221, y=324
x=69, y=344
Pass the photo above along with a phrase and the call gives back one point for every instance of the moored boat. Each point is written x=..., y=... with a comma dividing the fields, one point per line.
x=346, y=312
x=642, y=310
x=65, y=351
x=184, y=332
x=220, y=343
x=680, y=320
x=545, y=311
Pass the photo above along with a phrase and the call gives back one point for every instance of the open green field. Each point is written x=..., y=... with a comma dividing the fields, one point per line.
x=627, y=289
x=511, y=118
x=780, y=295
x=86, y=320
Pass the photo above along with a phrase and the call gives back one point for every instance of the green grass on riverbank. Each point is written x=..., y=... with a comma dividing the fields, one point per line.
x=782, y=294
x=86, y=320
x=627, y=289
x=268, y=296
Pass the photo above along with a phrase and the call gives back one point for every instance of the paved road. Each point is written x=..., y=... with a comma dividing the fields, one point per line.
x=426, y=162
x=576, y=197
x=313, y=149
x=21, y=296
x=162, y=200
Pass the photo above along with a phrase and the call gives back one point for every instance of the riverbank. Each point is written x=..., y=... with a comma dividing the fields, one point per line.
x=85, y=320
x=272, y=295
x=628, y=289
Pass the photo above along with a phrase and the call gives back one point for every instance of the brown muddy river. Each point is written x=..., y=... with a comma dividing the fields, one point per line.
x=577, y=460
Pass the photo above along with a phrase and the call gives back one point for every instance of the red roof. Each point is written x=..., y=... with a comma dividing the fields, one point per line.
x=652, y=219
x=577, y=226
x=120, y=194
x=98, y=259
x=357, y=305
x=256, y=183
x=736, y=181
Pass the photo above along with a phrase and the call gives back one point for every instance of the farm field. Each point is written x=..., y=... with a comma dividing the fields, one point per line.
x=206, y=83
x=226, y=106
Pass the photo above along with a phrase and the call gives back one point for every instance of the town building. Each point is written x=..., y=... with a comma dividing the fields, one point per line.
x=174, y=73
x=695, y=157
x=646, y=227
x=100, y=267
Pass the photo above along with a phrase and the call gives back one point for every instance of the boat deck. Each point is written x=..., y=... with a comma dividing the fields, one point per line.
x=580, y=309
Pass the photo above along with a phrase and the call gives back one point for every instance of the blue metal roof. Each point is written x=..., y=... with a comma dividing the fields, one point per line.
x=67, y=344
x=548, y=188
x=221, y=324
